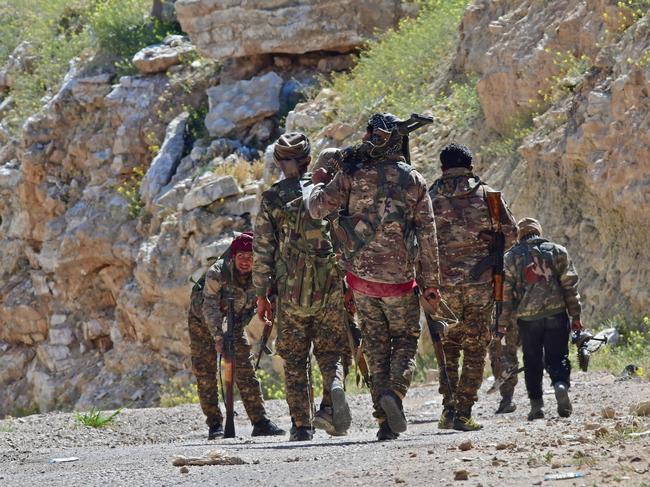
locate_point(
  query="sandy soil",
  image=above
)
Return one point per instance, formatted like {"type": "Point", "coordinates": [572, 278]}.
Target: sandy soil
{"type": "Point", "coordinates": [138, 448]}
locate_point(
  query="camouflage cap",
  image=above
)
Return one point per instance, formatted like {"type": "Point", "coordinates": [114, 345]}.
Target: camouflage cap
{"type": "Point", "coordinates": [528, 226]}
{"type": "Point", "coordinates": [292, 145]}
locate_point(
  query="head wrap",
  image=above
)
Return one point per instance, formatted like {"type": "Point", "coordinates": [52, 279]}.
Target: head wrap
{"type": "Point", "coordinates": [385, 140]}
{"type": "Point", "coordinates": [528, 226]}
{"type": "Point", "coordinates": [242, 243]}
{"type": "Point", "coordinates": [291, 152]}
{"type": "Point", "coordinates": [455, 155]}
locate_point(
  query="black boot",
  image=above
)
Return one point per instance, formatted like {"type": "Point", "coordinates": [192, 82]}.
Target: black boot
{"type": "Point", "coordinates": [385, 433]}
{"type": "Point", "coordinates": [341, 417]}
{"type": "Point", "coordinates": [301, 433]}
{"type": "Point", "coordinates": [564, 408]}
{"type": "Point", "coordinates": [215, 431]}
{"type": "Point", "coordinates": [392, 406]}
{"type": "Point", "coordinates": [266, 427]}
{"type": "Point", "coordinates": [507, 405]}
{"type": "Point", "coordinates": [536, 409]}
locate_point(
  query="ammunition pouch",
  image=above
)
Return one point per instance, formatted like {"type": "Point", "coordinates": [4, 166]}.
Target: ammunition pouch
{"type": "Point", "coordinates": [305, 279]}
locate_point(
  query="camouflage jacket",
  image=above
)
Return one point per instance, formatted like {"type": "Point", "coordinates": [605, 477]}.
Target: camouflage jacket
{"type": "Point", "coordinates": [293, 253]}
{"type": "Point", "coordinates": [459, 203]}
{"type": "Point", "coordinates": [221, 282]}
{"type": "Point", "coordinates": [387, 208]}
{"type": "Point", "coordinates": [540, 281]}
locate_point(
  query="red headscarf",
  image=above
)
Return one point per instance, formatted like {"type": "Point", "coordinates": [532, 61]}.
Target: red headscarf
{"type": "Point", "coordinates": [242, 243]}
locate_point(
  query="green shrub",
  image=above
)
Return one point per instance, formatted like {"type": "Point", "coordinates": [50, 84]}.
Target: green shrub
{"type": "Point", "coordinates": [395, 72]}
{"type": "Point", "coordinates": [175, 393]}
{"type": "Point", "coordinates": [96, 419]}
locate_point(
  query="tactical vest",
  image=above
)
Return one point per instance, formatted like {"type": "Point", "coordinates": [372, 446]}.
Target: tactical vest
{"type": "Point", "coordinates": [306, 269]}
{"type": "Point", "coordinates": [358, 230]}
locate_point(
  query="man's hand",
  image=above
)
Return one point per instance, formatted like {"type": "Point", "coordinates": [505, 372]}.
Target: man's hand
{"type": "Point", "coordinates": [321, 175]}
{"type": "Point", "coordinates": [432, 295]}
{"type": "Point", "coordinates": [218, 344]}
{"type": "Point", "coordinates": [348, 302]}
{"type": "Point", "coordinates": [576, 325]}
{"type": "Point", "coordinates": [264, 311]}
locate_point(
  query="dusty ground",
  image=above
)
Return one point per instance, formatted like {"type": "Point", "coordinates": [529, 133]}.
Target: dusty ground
{"type": "Point", "coordinates": [138, 448]}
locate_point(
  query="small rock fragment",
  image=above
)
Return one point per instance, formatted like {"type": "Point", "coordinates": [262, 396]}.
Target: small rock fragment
{"type": "Point", "coordinates": [601, 432]}
{"type": "Point", "coordinates": [461, 475]}
{"type": "Point", "coordinates": [608, 412]}
{"type": "Point", "coordinates": [641, 409]}
{"type": "Point", "coordinates": [184, 470]}
{"type": "Point", "coordinates": [465, 445]}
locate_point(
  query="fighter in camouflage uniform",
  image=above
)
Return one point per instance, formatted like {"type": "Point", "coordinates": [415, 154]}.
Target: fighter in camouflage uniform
{"type": "Point", "coordinates": [540, 288]}
{"type": "Point", "coordinates": [464, 233]}
{"type": "Point", "coordinates": [383, 206]}
{"type": "Point", "coordinates": [228, 277]}
{"type": "Point", "coordinates": [294, 257]}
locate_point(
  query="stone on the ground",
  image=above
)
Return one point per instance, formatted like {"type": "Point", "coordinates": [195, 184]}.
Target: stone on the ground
{"type": "Point", "coordinates": [641, 409]}
{"type": "Point", "coordinates": [461, 475]}
{"type": "Point", "coordinates": [466, 445]}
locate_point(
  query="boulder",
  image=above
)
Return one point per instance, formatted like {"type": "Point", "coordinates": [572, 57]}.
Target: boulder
{"type": "Point", "coordinates": [160, 57]}
{"type": "Point", "coordinates": [13, 363]}
{"type": "Point", "coordinates": [242, 104]}
{"type": "Point", "coordinates": [164, 165]}
{"type": "Point", "coordinates": [210, 189]}
{"type": "Point", "coordinates": [223, 29]}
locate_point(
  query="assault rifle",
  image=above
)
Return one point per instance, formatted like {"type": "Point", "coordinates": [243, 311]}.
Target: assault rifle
{"type": "Point", "coordinates": [229, 370]}
{"type": "Point", "coordinates": [355, 337]}
{"type": "Point", "coordinates": [264, 347]}
{"type": "Point", "coordinates": [497, 249]}
{"type": "Point", "coordinates": [437, 328]}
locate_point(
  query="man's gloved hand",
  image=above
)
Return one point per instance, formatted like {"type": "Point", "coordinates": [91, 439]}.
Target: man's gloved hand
{"type": "Point", "coordinates": [264, 311]}
{"type": "Point", "coordinates": [432, 295]}
{"type": "Point", "coordinates": [218, 344]}
{"type": "Point", "coordinates": [321, 175]}
{"type": "Point", "coordinates": [348, 302]}
{"type": "Point", "coordinates": [576, 325]}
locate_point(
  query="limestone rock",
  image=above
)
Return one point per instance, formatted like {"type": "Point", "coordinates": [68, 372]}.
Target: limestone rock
{"type": "Point", "coordinates": [283, 26]}
{"type": "Point", "coordinates": [13, 363]}
{"type": "Point", "coordinates": [210, 189]}
{"type": "Point", "coordinates": [20, 61]}
{"type": "Point", "coordinates": [164, 165]}
{"type": "Point", "coordinates": [242, 104]}
{"type": "Point", "coordinates": [160, 57]}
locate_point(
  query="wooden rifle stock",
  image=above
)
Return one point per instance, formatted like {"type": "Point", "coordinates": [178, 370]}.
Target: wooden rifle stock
{"type": "Point", "coordinates": [229, 371]}
{"type": "Point", "coordinates": [497, 248]}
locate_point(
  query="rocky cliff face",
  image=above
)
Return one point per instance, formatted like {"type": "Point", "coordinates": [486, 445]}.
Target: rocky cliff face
{"type": "Point", "coordinates": [110, 199]}
{"type": "Point", "coordinates": [119, 190]}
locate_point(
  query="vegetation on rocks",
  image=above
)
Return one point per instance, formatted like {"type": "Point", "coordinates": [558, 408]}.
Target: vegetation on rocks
{"type": "Point", "coordinates": [96, 419]}
{"type": "Point", "coordinates": [58, 32]}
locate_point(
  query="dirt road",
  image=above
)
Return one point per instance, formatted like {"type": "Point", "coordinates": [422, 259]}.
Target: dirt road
{"type": "Point", "coordinates": [137, 449]}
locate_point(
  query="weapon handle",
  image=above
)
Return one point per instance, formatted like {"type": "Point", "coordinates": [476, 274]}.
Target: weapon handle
{"type": "Point", "coordinates": [229, 369]}
{"type": "Point", "coordinates": [494, 206]}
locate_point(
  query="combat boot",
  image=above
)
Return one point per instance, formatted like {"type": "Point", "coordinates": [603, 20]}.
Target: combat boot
{"type": "Point", "coordinates": [507, 405]}
{"type": "Point", "coordinates": [301, 433]}
{"type": "Point", "coordinates": [564, 408]}
{"type": "Point", "coordinates": [392, 406]}
{"type": "Point", "coordinates": [385, 433]}
{"type": "Point", "coordinates": [465, 422]}
{"type": "Point", "coordinates": [215, 431]}
{"type": "Point", "coordinates": [536, 409]}
{"type": "Point", "coordinates": [266, 427]}
{"type": "Point", "coordinates": [341, 417]}
{"type": "Point", "coordinates": [446, 421]}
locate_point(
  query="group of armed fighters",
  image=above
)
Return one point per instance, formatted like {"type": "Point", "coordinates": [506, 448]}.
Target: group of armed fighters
{"type": "Point", "coordinates": [356, 241]}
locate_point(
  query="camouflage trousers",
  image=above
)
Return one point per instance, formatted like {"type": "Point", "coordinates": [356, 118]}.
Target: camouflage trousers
{"type": "Point", "coordinates": [391, 329]}
{"type": "Point", "coordinates": [299, 328]}
{"type": "Point", "coordinates": [472, 305]}
{"type": "Point", "coordinates": [509, 360]}
{"type": "Point", "coordinates": [204, 367]}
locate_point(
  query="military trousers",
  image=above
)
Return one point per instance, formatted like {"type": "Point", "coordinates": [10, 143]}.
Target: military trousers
{"type": "Point", "coordinates": [298, 329]}
{"type": "Point", "coordinates": [472, 305]}
{"type": "Point", "coordinates": [509, 360]}
{"type": "Point", "coordinates": [391, 329]}
{"type": "Point", "coordinates": [545, 343]}
{"type": "Point", "coordinates": [204, 367]}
